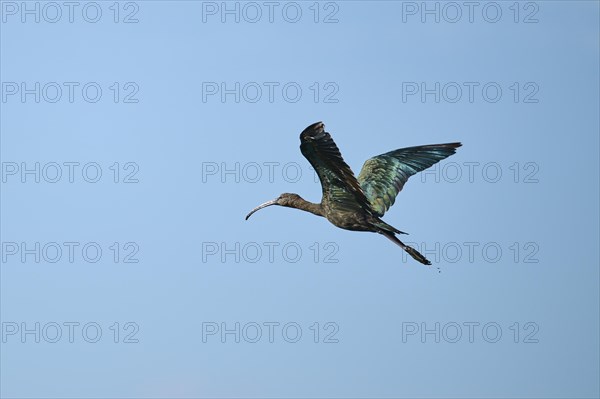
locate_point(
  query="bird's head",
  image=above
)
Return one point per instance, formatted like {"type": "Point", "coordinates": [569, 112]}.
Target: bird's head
{"type": "Point", "coordinates": [285, 199]}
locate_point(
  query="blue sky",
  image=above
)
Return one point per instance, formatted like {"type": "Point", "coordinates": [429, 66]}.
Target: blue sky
{"type": "Point", "coordinates": [135, 137]}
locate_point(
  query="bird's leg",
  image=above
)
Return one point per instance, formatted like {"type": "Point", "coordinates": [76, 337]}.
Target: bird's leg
{"type": "Point", "coordinates": [409, 250]}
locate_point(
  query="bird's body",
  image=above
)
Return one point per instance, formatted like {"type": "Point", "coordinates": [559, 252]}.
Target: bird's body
{"type": "Point", "coordinates": [348, 220]}
{"type": "Point", "coordinates": [357, 203]}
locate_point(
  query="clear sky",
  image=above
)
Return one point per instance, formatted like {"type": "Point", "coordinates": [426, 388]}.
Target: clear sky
{"type": "Point", "coordinates": [135, 137]}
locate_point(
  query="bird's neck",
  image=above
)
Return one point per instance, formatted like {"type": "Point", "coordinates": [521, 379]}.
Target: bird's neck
{"type": "Point", "coordinates": [315, 209]}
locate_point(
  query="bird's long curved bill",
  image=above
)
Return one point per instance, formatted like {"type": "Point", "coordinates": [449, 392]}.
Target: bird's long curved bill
{"type": "Point", "coordinates": [261, 206]}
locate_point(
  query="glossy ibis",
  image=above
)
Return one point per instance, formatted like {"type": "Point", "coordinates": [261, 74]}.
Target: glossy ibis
{"type": "Point", "coordinates": [358, 203]}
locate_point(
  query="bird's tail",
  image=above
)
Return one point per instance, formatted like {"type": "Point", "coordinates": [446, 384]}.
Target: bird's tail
{"type": "Point", "coordinates": [384, 227]}
{"type": "Point", "coordinates": [410, 250]}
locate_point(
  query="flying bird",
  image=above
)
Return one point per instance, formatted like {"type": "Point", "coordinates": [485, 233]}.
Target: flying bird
{"type": "Point", "coordinates": [358, 203]}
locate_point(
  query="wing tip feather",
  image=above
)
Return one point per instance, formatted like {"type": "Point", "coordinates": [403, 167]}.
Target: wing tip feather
{"type": "Point", "coordinates": [313, 130]}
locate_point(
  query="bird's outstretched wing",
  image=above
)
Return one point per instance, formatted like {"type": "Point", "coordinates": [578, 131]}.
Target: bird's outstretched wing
{"type": "Point", "coordinates": [383, 176]}
{"type": "Point", "coordinates": [340, 187]}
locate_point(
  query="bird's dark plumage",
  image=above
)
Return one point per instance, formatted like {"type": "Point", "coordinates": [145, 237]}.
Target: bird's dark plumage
{"type": "Point", "coordinates": [358, 203]}
{"type": "Point", "coordinates": [383, 176]}
{"type": "Point", "coordinates": [337, 179]}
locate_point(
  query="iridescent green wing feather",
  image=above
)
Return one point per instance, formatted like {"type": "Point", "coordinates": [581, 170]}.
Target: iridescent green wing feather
{"type": "Point", "coordinates": [340, 187]}
{"type": "Point", "coordinates": [382, 177]}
